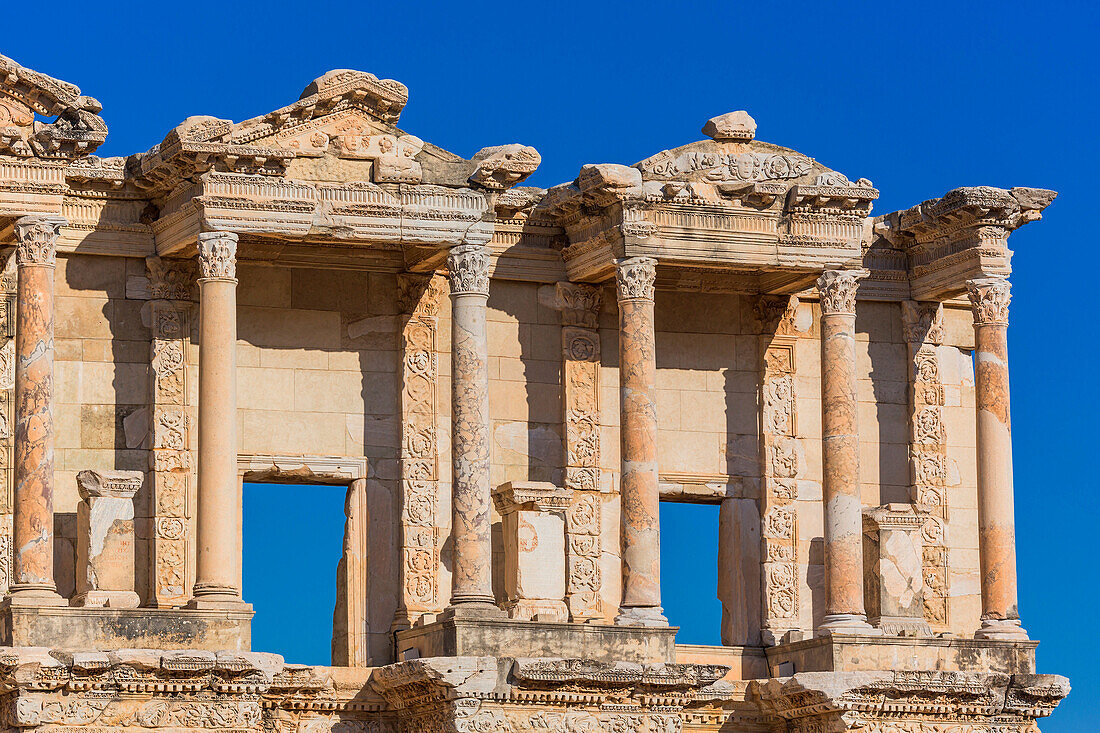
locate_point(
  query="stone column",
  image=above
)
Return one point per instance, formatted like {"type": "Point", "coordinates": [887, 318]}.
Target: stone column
{"type": "Point", "coordinates": [217, 580]}
{"type": "Point", "coordinates": [844, 610]}
{"type": "Point", "coordinates": [996, 522]}
{"type": "Point", "coordinates": [471, 523]}
{"type": "Point", "coordinates": [639, 515]}
{"type": "Point", "coordinates": [32, 531]}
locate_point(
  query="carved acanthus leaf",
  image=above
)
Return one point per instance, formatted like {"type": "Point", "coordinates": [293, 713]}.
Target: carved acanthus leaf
{"type": "Point", "coordinates": [36, 239]}
{"type": "Point", "coordinates": [838, 290]}
{"type": "Point", "coordinates": [469, 269]}
{"type": "Point", "coordinates": [989, 297]}
{"type": "Point", "coordinates": [218, 255]}
{"type": "Point", "coordinates": [635, 278]}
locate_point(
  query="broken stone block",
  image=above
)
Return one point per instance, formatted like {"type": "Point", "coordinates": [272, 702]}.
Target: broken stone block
{"type": "Point", "coordinates": [533, 519]}
{"type": "Point", "coordinates": [105, 539]}
{"type": "Point", "coordinates": [894, 578]}
{"type": "Point", "coordinates": [737, 125]}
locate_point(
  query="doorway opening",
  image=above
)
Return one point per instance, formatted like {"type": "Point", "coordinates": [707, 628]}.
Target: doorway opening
{"type": "Point", "coordinates": [689, 571]}
{"type": "Point", "coordinates": [293, 542]}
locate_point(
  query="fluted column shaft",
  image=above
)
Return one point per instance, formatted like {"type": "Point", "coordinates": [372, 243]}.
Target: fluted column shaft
{"type": "Point", "coordinates": [217, 580]}
{"type": "Point", "coordinates": [844, 608]}
{"type": "Point", "coordinates": [471, 522]}
{"type": "Point", "coordinates": [639, 514]}
{"type": "Point", "coordinates": [32, 528]}
{"type": "Point", "coordinates": [996, 520]}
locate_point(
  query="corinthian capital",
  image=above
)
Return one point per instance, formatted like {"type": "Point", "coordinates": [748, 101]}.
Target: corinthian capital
{"type": "Point", "coordinates": [217, 255]}
{"type": "Point", "coordinates": [989, 297]}
{"type": "Point", "coordinates": [469, 268]}
{"type": "Point", "coordinates": [838, 291]}
{"type": "Point", "coordinates": [634, 278]}
{"type": "Point", "coordinates": [37, 239]}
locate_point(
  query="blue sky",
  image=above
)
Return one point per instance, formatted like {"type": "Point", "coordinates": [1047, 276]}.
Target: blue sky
{"type": "Point", "coordinates": [919, 98]}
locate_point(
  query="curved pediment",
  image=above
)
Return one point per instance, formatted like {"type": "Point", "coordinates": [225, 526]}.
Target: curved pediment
{"type": "Point", "coordinates": [732, 161]}
{"type": "Point", "coordinates": [77, 129]}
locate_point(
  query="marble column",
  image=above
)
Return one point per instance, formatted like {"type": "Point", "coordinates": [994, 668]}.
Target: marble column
{"type": "Point", "coordinates": [218, 561]}
{"type": "Point", "coordinates": [639, 514]}
{"type": "Point", "coordinates": [996, 522]}
{"type": "Point", "coordinates": [844, 609]}
{"type": "Point", "coordinates": [32, 529]}
{"type": "Point", "coordinates": [471, 522]}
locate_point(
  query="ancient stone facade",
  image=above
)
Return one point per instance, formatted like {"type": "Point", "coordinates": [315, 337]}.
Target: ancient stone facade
{"type": "Point", "coordinates": [508, 381]}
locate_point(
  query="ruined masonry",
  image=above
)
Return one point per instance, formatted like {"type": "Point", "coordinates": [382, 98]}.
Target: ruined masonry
{"type": "Point", "coordinates": [506, 381]}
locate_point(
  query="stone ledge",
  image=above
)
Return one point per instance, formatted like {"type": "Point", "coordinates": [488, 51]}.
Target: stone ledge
{"type": "Point", "coordinates": [75, 628]}
{"type": "Point", "coordinates": [854, 652]}
{"type": "Point", "coordinates": [511, 638]}
{"type": "Point", "coordinates": [745, 662]}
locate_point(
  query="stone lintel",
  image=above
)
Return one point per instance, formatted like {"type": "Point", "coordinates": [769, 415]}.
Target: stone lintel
{"type": "Point", "coordinates": [541, 496]}
{"type": "Point", "coordinates": [117, 484]}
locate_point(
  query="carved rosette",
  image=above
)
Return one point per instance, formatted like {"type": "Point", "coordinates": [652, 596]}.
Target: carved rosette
{"type": "Point", "coordinates": [580, 305]}
{"type": "Point", "coordinates": [989, 298]}
{"type": "Point", "coordinates": [635, 278]}
{"type": "Point", "coordinates": [170, 283]}
{"type": "Point", "coordinates": [781, 466]}
{"type": "Point", "coordinates": [218, 255]}
{"type": "Point", "coordinates": [36, 240]}
{"type": "Point", "coordinates": [838, 291]}
{"type": "Point", "coordinates": [468, 265]}
{"type": "Point", "coordinates": [923, 326]}
{"type": "Point", "coordinates": [419, 297]}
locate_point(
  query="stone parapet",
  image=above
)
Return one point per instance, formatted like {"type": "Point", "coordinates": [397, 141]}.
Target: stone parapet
{"type": "Point", "coordinates": [491, 637]}
{"type": "Point", "coordinates": [852, 653]}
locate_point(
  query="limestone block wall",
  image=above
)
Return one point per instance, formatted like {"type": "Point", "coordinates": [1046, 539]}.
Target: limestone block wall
{"type": "Point", "coordinates": [320, 360]}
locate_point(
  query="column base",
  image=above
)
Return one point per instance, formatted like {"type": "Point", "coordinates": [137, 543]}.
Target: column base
{"type": "Point", "coordinates": [847, 623]}
{"type": "Point", "coordinates": [107, 599]}
{"type": "Point", "coordinates": [641, 616]}
{"type": "Point", "coordinates": [1001, 630]}
{"type": "Point", "coordinates": [472, 610]}
{"type": "Point", "coordinates": [27, 595]}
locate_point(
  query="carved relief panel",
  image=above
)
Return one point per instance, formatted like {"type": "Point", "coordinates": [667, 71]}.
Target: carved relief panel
{"type": "Point", "coordinates": [780, 467]}
{"type": "Point", "coordinates": [923, 323]}
{"type": "Point", "coordinates": [420, 536]}
{"type": "Point", "coordinates": [7, 417]}
{"type": "Point", "coordinates": [170, 285]}
{"type": "Point", "coordinates": [580, 306]}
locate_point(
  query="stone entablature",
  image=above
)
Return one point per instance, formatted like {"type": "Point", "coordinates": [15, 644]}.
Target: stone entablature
{"type": "Point", "coordinates": [722, 323]}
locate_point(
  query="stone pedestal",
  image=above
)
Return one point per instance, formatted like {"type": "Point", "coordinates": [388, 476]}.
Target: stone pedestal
{"type": "Point", "coordinates": [105, 539]}
{"type": "Point", "coordinates": [639, 517]}
{"type": "Point", "coordinates": [533, 515]}
{"type": "Point", "coordinates": [217, 575]}
{"type": "Point", "coordinates": [844, 611]}
{"type": "Point", "coordinates": [33, 520]}
{"type": "Point", "coordinates": [893, 552]}
{"type": "Point", "coordinates": [996, 518]}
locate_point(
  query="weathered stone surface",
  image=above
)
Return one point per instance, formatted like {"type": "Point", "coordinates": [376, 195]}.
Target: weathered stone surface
{"type": "Point", "coordinates": [737, 125]}
{"type": "Point", "coordinates": [753, 292]}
